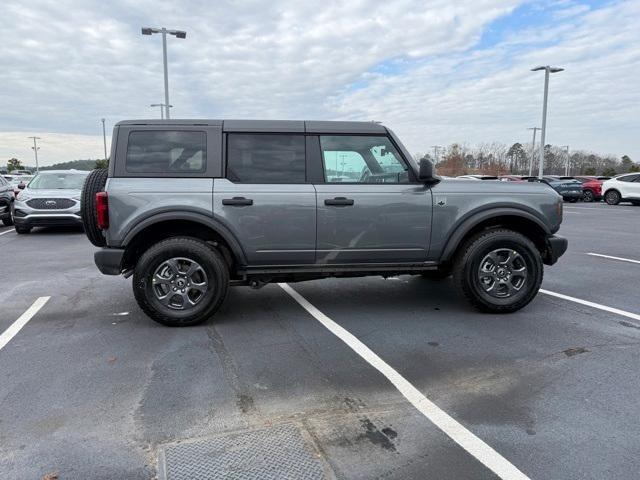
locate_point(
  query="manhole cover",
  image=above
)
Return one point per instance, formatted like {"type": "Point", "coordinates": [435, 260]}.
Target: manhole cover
{"type": "Point", "coordinates": [280, 452]}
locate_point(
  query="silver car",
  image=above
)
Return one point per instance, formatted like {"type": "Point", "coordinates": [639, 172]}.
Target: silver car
{"type": "Point", "coordinates": [52, 198]}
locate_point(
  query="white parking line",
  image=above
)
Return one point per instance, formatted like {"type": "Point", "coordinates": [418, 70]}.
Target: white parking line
{"type": "Point", "coordinates": [7, 231]}
{"type": "Point", "coordinates": [613, 258]}
{"type": "Point", "coordinates": [457, 432]}
{"type": "Point", "coordinates": [608, 208]}
{"type": "Point", "coordinates": [587, 303]}
{"type": "Point", "coordinates": [16, 326]}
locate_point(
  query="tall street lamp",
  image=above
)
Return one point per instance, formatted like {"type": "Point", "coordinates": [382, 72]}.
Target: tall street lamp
{"type": "Point", "coordinates": [436, 149]}
{"type": "Point", "coordinates": [164, 31]}
{"type": "Point", "coordinates": [161, 105]}
{"type": "Point", "coordinates": [35, 150]}
{"type": "Point", "coordinates": [533, 149]}
{"type": "Point", "coordinates": [104, 138]}
{"type": "Point", "coordinates": [566, 165]}
{"type": "Point", "coordinates": [547, 70]}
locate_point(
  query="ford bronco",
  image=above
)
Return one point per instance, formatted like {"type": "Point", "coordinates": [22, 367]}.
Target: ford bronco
{"type": "Point", "coordinates": [191, 207]}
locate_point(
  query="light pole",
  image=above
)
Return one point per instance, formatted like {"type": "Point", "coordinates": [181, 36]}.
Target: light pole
{"type": "Point", "coordinates": [566, 165]}
{"type": "Point", "coordinates": [533, 149]}
{"type": "Point", "coordinates": [547, 70]}
{"type": "Point", "coordinates": [161, 105]}
{"type": "Point", "coordinates": [164, 31]}
{"type": "Point", "coordinates": [35, 150]}
{"type": "Point", "coordinates": [436, 149]}
{"type": "Point", "coordinates": [104, 138]}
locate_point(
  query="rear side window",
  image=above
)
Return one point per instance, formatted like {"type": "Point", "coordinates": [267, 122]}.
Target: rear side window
{"type": "Point", "coordinates": [629, 178]}
{"type": "Point", "coordinates": [260, 158]}
{"type": "Point", "coordinates": [166, 151]}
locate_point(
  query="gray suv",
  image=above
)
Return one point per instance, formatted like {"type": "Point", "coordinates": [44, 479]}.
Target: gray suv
{"type": "Point", "coordinates": [50, 199]}
{"type": "Point", "coordinates": [190, 207]}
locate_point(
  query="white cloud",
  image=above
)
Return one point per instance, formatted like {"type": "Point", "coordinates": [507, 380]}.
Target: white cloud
{"type": "Point", "coordinates": [492, 95]}
{"type": "Point", "coordinates": [408, 63]}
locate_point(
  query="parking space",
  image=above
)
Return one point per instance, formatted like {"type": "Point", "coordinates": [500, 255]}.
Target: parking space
{"type": "Point", "coordinates": [92, 388]}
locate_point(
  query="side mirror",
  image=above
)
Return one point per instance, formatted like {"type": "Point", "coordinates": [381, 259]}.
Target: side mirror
{"type": "Point", "coordinates": [21, 186]}
{"type": "Point", "coordinates": [425, 173]}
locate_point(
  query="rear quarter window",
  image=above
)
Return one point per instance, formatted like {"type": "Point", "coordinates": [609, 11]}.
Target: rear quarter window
{"type": "Point", "coordinates": [166, 151]}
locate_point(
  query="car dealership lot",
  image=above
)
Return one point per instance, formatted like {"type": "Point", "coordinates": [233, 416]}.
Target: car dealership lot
{"type": "Point", "coordinates": [92, 388]}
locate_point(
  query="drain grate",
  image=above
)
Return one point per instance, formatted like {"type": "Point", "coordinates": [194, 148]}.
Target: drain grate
{"type": "Point", "coordinates": [279, 453]}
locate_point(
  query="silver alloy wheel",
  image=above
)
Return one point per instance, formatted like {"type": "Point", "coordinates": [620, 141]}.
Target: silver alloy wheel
{"type": "Point", "coordinates": [612, 197]}
{"type": "Point", "coordinates": [502, 273]}
{"type": "Point", "coordinates": [179, 283]}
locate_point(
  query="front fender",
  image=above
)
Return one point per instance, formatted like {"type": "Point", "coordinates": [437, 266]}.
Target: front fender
{"type": "Point", "coordinates": [465, 224]}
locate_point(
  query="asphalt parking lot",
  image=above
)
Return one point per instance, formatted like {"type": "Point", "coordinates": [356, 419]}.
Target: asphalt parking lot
{"type": "Point", "coordinates": [92, 388]}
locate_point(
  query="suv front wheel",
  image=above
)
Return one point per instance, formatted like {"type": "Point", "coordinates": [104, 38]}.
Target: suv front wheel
{"type": "Point", "coordinates": [499, 271]}
{"type": "Point", "coordinates": [180, 281]}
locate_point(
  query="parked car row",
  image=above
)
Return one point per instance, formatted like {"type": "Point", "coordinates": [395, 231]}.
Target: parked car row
{"type": "Point", "coordinates": [621, 188]}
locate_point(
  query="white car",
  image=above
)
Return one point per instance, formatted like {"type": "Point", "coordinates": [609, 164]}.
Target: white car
{"type": "Point", "coordinates": [622, 188]}
{"type": "Point", "coordinates": [477, 177]}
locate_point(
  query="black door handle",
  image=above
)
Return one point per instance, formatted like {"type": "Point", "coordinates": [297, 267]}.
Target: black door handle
{"type": "Point", "coordinates": [237, 201]}
{"type": "Point", "coordinates": [339, 201]}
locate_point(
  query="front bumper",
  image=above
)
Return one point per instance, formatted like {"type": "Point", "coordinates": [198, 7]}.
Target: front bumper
{"type": "Point", "coordinates": [48, 220]}
{"type": "Point", "coordinates": [25, 216]}
{"type": "Point", "coordinates": [109, 260]}
{"type": "Point", "coordinates": [556, 246]}
{"type": "Point", "coordinates": [571, 195]}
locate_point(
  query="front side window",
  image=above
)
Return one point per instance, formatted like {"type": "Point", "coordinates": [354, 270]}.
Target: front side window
{"type": "Point", "coordinates": [361, 159]}
{"type": "Point", "coordinates": [166, 151]}
{"type": "Point", "coordinates": [266, 158]}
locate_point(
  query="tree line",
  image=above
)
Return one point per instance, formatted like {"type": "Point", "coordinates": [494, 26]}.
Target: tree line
{"type": "Point", "coordinates": [499, 159]}
{"type": "Point", "coordinates": [15, 164]}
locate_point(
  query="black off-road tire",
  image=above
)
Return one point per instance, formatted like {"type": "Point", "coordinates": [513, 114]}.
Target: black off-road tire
{"type": "Point", "coordinates": [21, 230]}
{"type": "Point", "coordinates": [93, 184]}
{"type": "Point", "coordinates": [209, 258]}
{"type": "Point", "coordinates": [612, 197]}
{"type": "Point", "coordinates": [467, 265]}
{"type": "Point", "coordinates": [8, 222]}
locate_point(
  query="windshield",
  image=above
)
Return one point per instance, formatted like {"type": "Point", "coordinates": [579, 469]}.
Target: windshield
{"type": "Point", "coordinates": [73, 181]}
{"type": "Point", "coordinates": [20, 179]}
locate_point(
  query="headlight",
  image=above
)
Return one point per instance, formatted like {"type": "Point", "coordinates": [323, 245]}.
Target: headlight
{"type": "Point", "coordinates": [23, 196]}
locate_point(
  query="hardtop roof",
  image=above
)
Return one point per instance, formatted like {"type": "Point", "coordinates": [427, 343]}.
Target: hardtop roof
{"type": "Point", "coordinates": [291, 126]}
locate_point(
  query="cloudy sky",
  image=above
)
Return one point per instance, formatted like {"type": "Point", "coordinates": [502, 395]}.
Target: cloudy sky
{"type": "Point", "coordinates": [436, 71]}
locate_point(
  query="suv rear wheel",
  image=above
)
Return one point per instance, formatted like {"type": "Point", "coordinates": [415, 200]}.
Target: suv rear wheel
{"type": "Point", "coordinates": [499, 271]}
{"type": "Point", "coordinates": [612, 197]}
{"type": "Point", "coordinates": [588, 196]}
{"type": "Point", "coordinates": [180, 281]}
